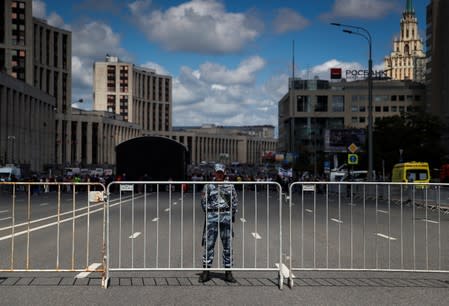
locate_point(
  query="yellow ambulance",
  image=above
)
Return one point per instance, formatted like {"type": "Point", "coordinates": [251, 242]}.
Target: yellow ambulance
{"type": "Point", "coordinates": [411, 172]}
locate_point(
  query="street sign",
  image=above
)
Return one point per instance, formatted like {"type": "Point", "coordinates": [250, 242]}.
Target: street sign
{"type": "Point", "coordinates": [353, 148]}
{"type": "Point", "coordinates": [353, 159]}
{"type": "Point", "coordinates": [308, 187]}
{"type": "Point", "coordinates": [126, 187]}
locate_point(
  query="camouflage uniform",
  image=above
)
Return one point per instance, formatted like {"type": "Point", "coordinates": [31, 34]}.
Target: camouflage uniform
{"type": "Point", "coordinates": [219, 202]}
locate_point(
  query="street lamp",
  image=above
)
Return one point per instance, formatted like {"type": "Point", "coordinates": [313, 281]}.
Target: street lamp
{"type": "Point", "coordinates": [365, 34]}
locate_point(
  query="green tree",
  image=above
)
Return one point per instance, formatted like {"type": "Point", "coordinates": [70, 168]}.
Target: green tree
{"type": "Point", "coordinates": [417, 134]}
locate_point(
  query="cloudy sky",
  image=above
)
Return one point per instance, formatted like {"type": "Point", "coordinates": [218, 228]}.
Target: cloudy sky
{"type": "Point", "coordinates": [230, 60]}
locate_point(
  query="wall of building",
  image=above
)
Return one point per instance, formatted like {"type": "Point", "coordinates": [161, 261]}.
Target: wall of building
{"type": "Point", "coordinates": [27, 124]}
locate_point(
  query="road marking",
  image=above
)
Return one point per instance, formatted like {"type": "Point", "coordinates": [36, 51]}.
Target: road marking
{"type": "Point", "coordinates": [90, 269]}
{"type": "Point", "coordinates": [256, 235]}
{"type": "Point", "coordinates": [155, 219]}
{"type": "Point", "coordinates": [382, 211]}
{"type": "Point", "coordinates": [243, 219]}
{"type": "Point", "coordinates": [385, 236]}
{"type": "Point", "coordinates": [167, 209]}
{"type": "Point", "coordinates": [430, 221]}
{"type": "Point", "coordinates": [284, 271]}
{"type": "Point", "coordinates": [16, 234]}
{"type": "Point", "coordinates": [43, 204]}
{"type": "Point", "coordinates": [3, 219]}
{"type": "Point", "coordinates": [3, 211]}
{"type": "Point", "coordinates": [336, 220]}
{"type": "Point", "coordinates": [309, 210]}
{"type": "Point", "coordinates": [135, 235]}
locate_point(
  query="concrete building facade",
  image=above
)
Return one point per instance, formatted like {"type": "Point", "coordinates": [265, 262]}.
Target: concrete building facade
{"type": "Point", "coordinates": [137, 94]}
{"type": "Point", "coordinates": [27, 124]}
{"type": "Point", "coordinates": [211, 143]}
{"type": "Point", "coordinates": [314, 106]}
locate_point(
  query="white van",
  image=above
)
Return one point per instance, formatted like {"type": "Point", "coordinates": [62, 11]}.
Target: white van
{"type": "Point", "coordinates": [7, 172]}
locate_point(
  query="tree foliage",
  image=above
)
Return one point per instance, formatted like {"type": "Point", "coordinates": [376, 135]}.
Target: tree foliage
{"type": "Point", "coordinates": [416, 133]}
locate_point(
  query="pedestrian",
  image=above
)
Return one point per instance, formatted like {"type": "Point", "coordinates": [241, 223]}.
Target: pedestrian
{"type": "Point", "coordinates": [219, 203]}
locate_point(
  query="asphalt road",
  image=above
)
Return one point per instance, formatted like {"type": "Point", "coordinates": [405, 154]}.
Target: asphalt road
{"type": "Point", "coordinates": [157, 231]}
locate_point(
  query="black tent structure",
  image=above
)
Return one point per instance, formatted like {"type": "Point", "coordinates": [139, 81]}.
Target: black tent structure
{"type": "Point", "coordinates": [160, 158]}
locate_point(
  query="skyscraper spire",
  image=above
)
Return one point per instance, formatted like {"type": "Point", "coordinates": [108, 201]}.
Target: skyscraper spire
{"type": "Point", "coordinates": [409, 8]}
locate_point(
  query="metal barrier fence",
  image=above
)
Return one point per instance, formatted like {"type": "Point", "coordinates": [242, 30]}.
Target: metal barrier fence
{"type": "Point", "coordinates": [368, 226]}
{"type": "Point", "coordinates": [52, 227]}
{"type": "Point", "coordinates": [160, 227]}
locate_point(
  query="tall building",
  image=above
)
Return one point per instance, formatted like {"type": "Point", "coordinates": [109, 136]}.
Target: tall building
{"type": "Point", "coordinates": [139, 95]}
{"type": "Point", "coordinates": [407, 60]}
{"type": "Point", "coordinates": [437, 73]}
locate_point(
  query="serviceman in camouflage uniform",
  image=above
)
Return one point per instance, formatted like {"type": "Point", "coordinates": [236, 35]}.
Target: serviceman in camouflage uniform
{"type": "Point", "coordinates": [219, 202]}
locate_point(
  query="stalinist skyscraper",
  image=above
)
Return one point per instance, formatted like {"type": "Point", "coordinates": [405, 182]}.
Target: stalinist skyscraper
{"type": "Point", "coordinates": [407, 60]}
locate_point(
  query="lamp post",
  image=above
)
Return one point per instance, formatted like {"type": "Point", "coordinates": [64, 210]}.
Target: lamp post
{"type": "Point", "coordinates": [365, 34]}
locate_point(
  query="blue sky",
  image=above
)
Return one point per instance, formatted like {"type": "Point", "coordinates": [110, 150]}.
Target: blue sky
{"type": "Point", "coordinates": [230, 60]}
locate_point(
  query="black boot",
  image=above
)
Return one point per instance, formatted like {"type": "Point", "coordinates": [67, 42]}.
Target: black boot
{"type": "Point", "coordinates": [229, 278]}
{"type": "Point", "coordinates": [204, 277]}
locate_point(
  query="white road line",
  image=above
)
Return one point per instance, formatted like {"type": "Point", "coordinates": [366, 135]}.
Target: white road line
{"type": "Point", "coordinates": [284, 270]}
{"type": "Point", "coordinates": [309, 210]}
{"type": "Point", "coordinates": [385, 236]}
{"type": "Point", "coordinates": [256, 235]}
{"type": "Point", "coordinates": [167, 209]}
{"type": "Point", "coordinates": [430, 221]}
{"type": "Point", "coordinates": [382, 211]}
{"type": "Point", "coordinates": [55, 223]}
{"type": "Point", "coordinates": [3, 219]}
{"type": "Point", "coordinates": [243, 219]}
{"type": "Point", "coordinates": [90, 269]}
{"type": "Point", "coordinates": [336, 220]}
{"type": "Point", "coordinates": [155, 219]}
{"type": "Point", "coordinates": [135, 235]}
{"type": "Point", "coordinates": [43, 204]}
{"type": "Point", "coordinates": [3, 211]}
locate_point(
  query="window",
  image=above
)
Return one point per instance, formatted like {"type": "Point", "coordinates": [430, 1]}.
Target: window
{"type": "Point", "coordinates": [386, 109]}
{"type": "Point", "coordinates": [377, 109]}
{"type": "Point", "coordinates": [394, 98]}
{"type": "Point", "coordinates": [321, 104]}
{"type": "Point", "coordinates": [338, 103]}
{"type": "Point", "coordinates": [354, 108]}
{"type": "Point", "coordinates": [362, 108]}
{"type": "Point", "coordinates": [303, 103]}
{"type": "Point", "coordinates": [394, 108]}
{"type": "Point", "coordinates": [354, 119]}
{"type": "Point", "coordinates": [401, 98]}
{"type": "Point", "coordinates": [362, 119]}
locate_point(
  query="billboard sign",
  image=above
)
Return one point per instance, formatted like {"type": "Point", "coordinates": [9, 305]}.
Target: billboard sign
{"type": "Point", "coordinates": [335, 73]}
{"type": "Point", "coordinates": [338, 140]}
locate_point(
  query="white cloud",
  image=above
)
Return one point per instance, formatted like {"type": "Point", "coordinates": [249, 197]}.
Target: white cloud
{"type": "Point", "coordinates": [159, 69]}
{"type": "Point", "coordinates": [370, 9]}
{"type": "Point", "coordinates": [288, 20]}
{"type": "Point", "coordinates": [202, 26]}
{"type": "Point", "coordinates": [244, 74]}
{"type": "Point", "coordinates": [322, 71]}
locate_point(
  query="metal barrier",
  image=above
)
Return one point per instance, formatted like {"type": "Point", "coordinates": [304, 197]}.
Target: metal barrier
{"type": "Point", "coordinates": [52, 227]}
{"type": "Point", "coordinates": [368, 226]}
{"type": "Point", "coordinates": [160, 228]}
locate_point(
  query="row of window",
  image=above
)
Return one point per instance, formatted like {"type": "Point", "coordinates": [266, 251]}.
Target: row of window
{"type": "Point", "coordinates": [304, 103]}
